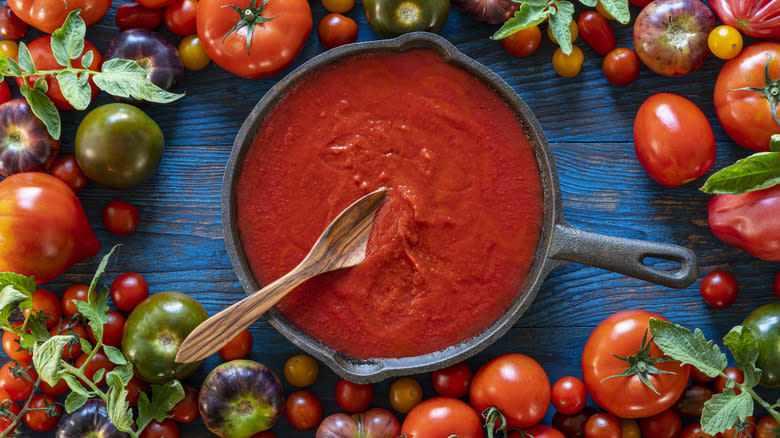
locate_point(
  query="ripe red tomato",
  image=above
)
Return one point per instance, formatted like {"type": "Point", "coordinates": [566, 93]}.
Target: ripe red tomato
{"type": "Point", "coordinates": [131, 15]}
{"type": "Point", "coordinates": [732, 373]}
{"type": "Point", "coordinates": [44, 301]}
{"type": "Point", "coordinates": [746, 429]}
{"type": "Point", "coordinates": [38, 420]}
{"type": "Point", "coordinates": [40, 49]}
{"type": "Point", "coordinates": [155, 4]}
{"type": "Point", "coordinates": [48, 15]}
{"type": "Point", "coordinates": [622, 335]}
{"type": "Point", "coordinates": [673, 139]}
{"type": "Point", "coordinates": [538, 431]}
{"type": "Point", "coordinates": [77, 292]}
{"type": "Point", "coordinates": [167, 429]}
{"type": "Point", "coordinates": [699, 376]}
{"type": "Point", "coordinates": [754, 18]}
{"type": "Point", "coordinates": [746, 115]}
{"type": "Point", "coordinates": [303, 410]}
{"type": "Point", "coordinates": [239, 347]}
{"type": "Point", "coordinates": [60, 388]}
{"type": "Point", "coordinates": [180, 17]}
{"type": "Point", "coordinates": [186, 411]}
{"type": "Point", "coordinates": [569, 395]}
{"type": "Point", "coordinates": [603, 425]}
{"type": "Point", "coordinates": [112, 330]}
{"type": "Point", "coordinates": [98, 361]}
{"type": "Point", "coordinates": [5, 92]}
{"type": "Point", "coordinates": [573, 426]}
{"type": "Point", "coordinates": [719, 289]}
{"type": "Point", "coordinates": [354, 397]}
{"type": "Point", "coordinates": [336, 30]}
{"type": "Point", "coordinates": [766, 427]}
{"type": "Point", "coordinates": [596, 32]}
{"type": "Point", "coordinates": [442, 417]}
{"type": "Point", "coordinates": [5, 399]}
{"type": "Point", "coordinates": [524, 42]}
{"type": "Point", "coordinates": [694, 431]}
{"type": "Point", "coordinates": [665, 424]}
{"type": "Point", "coordinates": [70, 327]}
{"type": "Point", "coordinates": [13, 348]}
{"type": "Point", "coordinates": [128, 290]}
{"type": "Point", "coordinates": [497, 382]}
{"type": "Point", "coordinates": [11, 27]}
{"type": "Point", "coordinates": [134, 388]}
{"type": "Point", "coordinates": [452, 381]}
{"type": "Point", "coordinates": [18, 388]}
{"type": "Point", "coordinates": [67, 169]}
{"type": "Point", "coordinates": [120, 217]}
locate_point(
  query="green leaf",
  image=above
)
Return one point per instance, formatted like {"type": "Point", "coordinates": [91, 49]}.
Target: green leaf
{"type": "Point", "coordinates": [559, 24]}
{"type": "Point", "coordinates": [41, 84]}
{"type": "Point", "coordinates": [86, 347]}
{"type": "Point", "coordinates": [21, 283]}
{"type": "Point", "coordinates": [755, 172]}
{"type": "Point", "coordinates": [44, 109]}
{"type": "Point", "coordinates": [36, 324]}
{"type": "Point", "coordinates": [125, 78]}
{"type": "Point", "coordinates": [46, 357]}
{"type": "Point", "coordinates": [13, 67]}
{"type": "Point", "coordinates": [25, 59]}
{"type": "Point", "coordinates": [590, 3]}
{"type": "Point", "coordinates": [75, 385]}
{"type": "Point", "coordinates": [3, 63]}
{"type": "Point", "coordinates": [722, 411]}
{"type": "Point", "coordinates": [774, 143]}
{"type": "Point", "coordinates": [27, 341]}
{"type": "Point", "coordinates": [99, 374]}
{"type": "Point", "coordinates": [164, 398]}
{"type": "Point", "coordinates": [93, 318]}
{"type": "Point", "coordinates": [124, 372]}
{"type": "Point", "coordinates": [86, 60]}
{"type": "Point", "coordinates": [100, 270]}
{"type": "Point", "coordinates": [114, 355]}
{"type": "Point", "coordinates": [688, 347]}
{"type": "Point", "coordinates": [74, 401]}
{"type": "Point", "coordinates": [9, 296]}
{"type": "Point", "coordinates": [744, 347]}
{"type": "Point", "coordinates": [67, 42]}
{"type": "Point", "coordinates": [74, 91]}
{"type": "Point", "coordinates": [525, 17]}
{"type": "Point", "coordinates": [117, 404]}
{"type": "Point", "coordinates": [618, 9]}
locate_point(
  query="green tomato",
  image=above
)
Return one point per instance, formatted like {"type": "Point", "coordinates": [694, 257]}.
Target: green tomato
{"type": "Point", "coordinates": [764, 323]}
{"type": "Point", "coordinates": [155, 330]}
{"type": "Point", "coordinates": [390, 18]}
{"type": "Point", "coordinates": [118, 146]}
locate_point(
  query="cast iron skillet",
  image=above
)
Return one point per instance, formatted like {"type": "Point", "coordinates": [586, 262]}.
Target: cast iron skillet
{"type": "Point", "coordinates": [560, 243]}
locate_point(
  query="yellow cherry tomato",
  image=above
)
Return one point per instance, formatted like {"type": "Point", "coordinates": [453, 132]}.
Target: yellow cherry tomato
{"type": "Point", "coordinates": [301, 370]}
{"type": "Point", "coordinates": [572, 30]}
{"type": "Point", "coordinates": [725, 42]}
{"type": "Point", "coordinates": [338, 6]}
{"type": "Point", "coordinates": [193, 55]}
{"type": "Point", "coordinates": [9, 48]}
{"type": "Point", "coordinates": [568, 65]}
{"type": "Point", "coordinates": [405, 394]}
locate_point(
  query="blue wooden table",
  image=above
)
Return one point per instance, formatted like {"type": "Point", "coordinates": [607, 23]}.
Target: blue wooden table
{"type": "Point", "coordinates": [179, 243]}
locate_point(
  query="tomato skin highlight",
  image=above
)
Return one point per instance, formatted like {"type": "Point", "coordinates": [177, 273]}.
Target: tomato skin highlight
{"type": "Point", "coordinates": [442, 417]}
{"type": "Point", "coordinates": [596, 32]}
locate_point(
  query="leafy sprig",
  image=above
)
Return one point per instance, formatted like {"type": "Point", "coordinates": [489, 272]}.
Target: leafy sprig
{"type": "Point", "coordinates": [119, 77]}
{"type": "Point", "coordinates": [755, 172]}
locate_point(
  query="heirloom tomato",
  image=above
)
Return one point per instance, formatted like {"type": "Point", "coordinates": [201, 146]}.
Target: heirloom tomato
{"type": "Point", "coordinates": [616, 343]}
{"type": "Point", "coordinates": [391, 18]}
{"type": "Point", "coordinates": [253, 38]}
{"type": "Point", "coordinates": [754, 18]}
{"type": "Point", "coordinates": [48, 15]}
{"type": "Point", "coordinates": [746, 95]}
{"type": "Point", "coordinates": [25, 143]}
{"type": "Point", "coordinates": [374, 423]}
{"type": "Point", "coordinates": [442, 417]}
{"type": "Point", "coordinates": [748, 221]}
{"type": "Point", "coordinates": [764, 323]}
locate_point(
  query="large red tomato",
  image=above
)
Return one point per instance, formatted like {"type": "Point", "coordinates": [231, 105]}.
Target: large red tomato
{"type": "Point", "coordinates": [48, 15]}
{"type": "Point", "coordinates": [623, 334]}
{"type": "Point", "coordinates": [499, 381]}
{"type": "Point", "coordinates": [746, 115]}
{"type": "Point", "coordinates": [754, 18]}
{"type": "Point", "coordinates": [279, 28]}
{"type": "Point", "coordinates": [442, 417]}
{"type": "Point", "coordinates": [673, 139]}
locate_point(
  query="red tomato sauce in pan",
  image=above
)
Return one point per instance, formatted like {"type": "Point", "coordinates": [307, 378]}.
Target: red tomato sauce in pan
{"type": "Point", "coordinates": [452, 245]}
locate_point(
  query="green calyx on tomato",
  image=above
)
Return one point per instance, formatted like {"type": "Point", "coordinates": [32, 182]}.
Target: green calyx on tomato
{"type": "Point", "coordinates": [250, 17]}
{"type": "Point", "coordinates": [770, 91]}
{"type": "Point", "coordinates": [642, 365]}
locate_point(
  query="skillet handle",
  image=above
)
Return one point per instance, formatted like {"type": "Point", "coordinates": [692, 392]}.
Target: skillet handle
{"type": "Point", "coordinates": [624, 256]}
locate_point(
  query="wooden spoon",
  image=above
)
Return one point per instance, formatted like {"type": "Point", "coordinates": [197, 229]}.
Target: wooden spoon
{"type": "Point", "coordinates": [341, 245]}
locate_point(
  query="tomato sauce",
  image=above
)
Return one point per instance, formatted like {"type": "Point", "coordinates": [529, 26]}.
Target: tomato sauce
{"type": "Point", "coordinates": [452, 245]}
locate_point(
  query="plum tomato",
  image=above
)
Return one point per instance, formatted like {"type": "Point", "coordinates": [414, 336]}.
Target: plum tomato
{"type": "Point", "coordinates": [180, 17]}
{"type": "Point", "coordinates": [691, 402]}
{"type": "Point", "coordinates": [301, 370]}
{"type": "Point", "coordinates": [128, 290]}
{"type": "Point", "coordinates": [725, 42]}
{"type": "Point", "coordinates": [524, 42]}
{"type": "Point", "coordinates": [569, 395]}
{"type": "Point", "coordinates": [76, 292]}
{"type": "Point", "coordinates": [48, 16]}
{"type": "Point", "coordinates": [719, 289]}
{"type": "Point", "coordinates": [11, 26]}
{"type": "Point", "coordinates": [72, 328]}
{"type": "Point", "coordinates": [573, 426]}
{"type": "Point", "coordinates": [354, 397]}
{"type": "Point", "coordinates": [733, 373]}
{"type": "Point", "coordinates": [621, 66]}
{"type": "Point", "coordinates": [13, 349]}
{"type": "Point", "coordinates": [112, 330]}
{"type": "Point", "coordinates": [239, 347]}
{"type": "Point", "coordinates": [18, 387]}
{"type": "Point", "coordinates": [569, 65]}
{"type": "Point", "coordinates": [45, 302]}
{"type": "Point", "coordinates": [67, 169]}
{"type": "Point", "coordinates": [25, 144]}
{"type": "Point", "coordinates": [764, 323]}
{"type": "Point", "coordinates": [338, 6]}
{"type": "Point", "coordinates": [193, 55]}
{"type": "Point", "coordinates": [336, 30]}
{"type": "Point", "coordinates": [38, 419]}
{"type": "Point", "coordinates": [452, 381]}
{"type": "Point", "coordinates": [303, 410]}
{"type": "Point", "coordinates": [98, 361]}
{"type": "Point", "coordinates": [9, 48]}
{"type": "Point", "coordinates": [442, 417]}
{"type": "Point", "coordinates": [665, 424]}
{"type": "Point", "coordinates": [603, 425]}
{"type": "Point", "coordinates": [538, 431]}
{"type": "Point", "coordinates": [165, 429]}
{"type": "Point", "coordinates": [596, 32]}
{"type": "Point", "coordinates": [673, 139]}
{"type": "Point", "coordinates": [405, 394]}
{"type": "Point", "coordinates": [186, 410]}
{"type": "Point", "coordinates": [391, 18]}
{"type": "Point", "coordinates": [120, 217]}
{"type": "Point", "coordinates": [131, 15]}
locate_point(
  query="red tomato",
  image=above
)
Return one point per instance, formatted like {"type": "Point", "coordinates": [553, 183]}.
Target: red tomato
{"type": "Point", "coordinates": [442, 417]}
{"type": "Point", "coordinates": [627, 397]}
{"type": "Point", "coordinates": [13, 348]}
{"type": "Point", "coordinates": [40, 49]}
{"type": "Point", "coordinates": [134, 16]}
{"type": "Point", "coordinates": [665, 424]}
{"type": "Point", "coordinates": [754, 18]}
{"type": "Point", "coordinates": [48, 15]}
{"type": "Point", "coordinates": [569, 395]}
{"type": "Point", "coordinates": [128, 290]}
{"type": "Point", "coordinates": [699, 376]}
{"type": "Point", "coordinates": [180, 17]}
{"type": "Point", "coordinates": [603, 425]}
{"type": "Point", "coordinates": [596, 32]}
{"type": "Point", "coordinates": [134, 388]}
{"type": "Point", "coordinates": [239, 347]}
{"type": "Point", "coordinates": [354, 397]}
{"type": "Point", "coordinates": [497, 383]}
{"type": "Point", "coordinates": [336, 30]}
{"type": "Point", "coordinates": [745, 115]}
{"type": "Point", "coordinates": [77, 292]}
{"type": "Point", "coordinates": [766, 427]}
{"type": "Point", "coordinates": [18, 388]}
{"type": "Point", "coordinates": [120, 217]}
{"type": "Point", "coordinates": [98, 361]}
{"type": "Point", "coordinates": [167, 429]}
{"type": "Point", "coordinates": [11, 27]}
{"type": "Point", "coordinates": [744, 429]}
{"type": "Point", "coordinates": [38, 419]}
{"type": "Point", "coordinates": [303, 410]}
{"type": "Point", "coordinates": [274, 44]}
{"type": "Point", "coordinates": [538, 431]}
{"type": "Point", "coordinates": [70, 327]}
{"type": "Point", "coordinates": [112, 330]}
{"type": "Point", "coordinates": [719, 289]}
{"type": "Point", "coordinates": [67, 169]}
{"type": "Point", "coordinates": [5, 92]}
{"type": "Point", "coordinates": [673, 139]}
{"type": "Point", "coordinates": [732, 373]}
{"type": "Point", "coordinates": [5, 399]}
{"type": "Point", "coordinates": [573, 426]}
{"type": "Point", "coordinates": [155, 4]}
{"type": "Point", "coordinates": [694, 431]}
{"type": "Point", "coordinates": [524, 42]}
{"type": "Point", "coordinates": [60, 388]}
{"type": "Point", "coordinates": [452, 381]}
{"type": "Point", "coordinates": [186, 411]}
{"type": "Point", "coordinates": [44, 301]}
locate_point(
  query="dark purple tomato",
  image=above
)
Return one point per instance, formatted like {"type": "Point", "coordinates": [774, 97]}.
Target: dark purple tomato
{"type": "Point", "coordinates": [25, 144]}
{"type": "Point", "coordinates": [67, 169]}
{"type": "Point", "coordinates": [134, 16]}
{"type": "Point", "coordinates": [573, 426]}
{"type": "Point", "coordinates": [11, 26]}
{"type": "Point", "coordinates": [90, 420]}
{"type": "Point", "coordinates": [691, 402]}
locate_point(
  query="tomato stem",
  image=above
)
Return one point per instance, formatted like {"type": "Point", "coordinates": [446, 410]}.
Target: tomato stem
{"type": "Point", "coordinates": [770, 91]}
{"type": "Point", "coordinates": [642, 365]}
{"type": "Point", "coordinates": [250, 17]}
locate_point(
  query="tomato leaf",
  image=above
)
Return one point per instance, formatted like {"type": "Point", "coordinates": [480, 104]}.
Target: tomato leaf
{"type": "Point", "coordinates": [618, 9]}
{"type": "Point", "coordinates": [688, 347]}
{"type": "Point", "coordinates": [755, 172]}
{"type": "Point", "coordinates": [744, 347]}
{"type": "Point", "coordinates": [44, 109]}
{"type": "Point", "coordinates": [125, 78]}
{"type": "Point", "coordinates": [15, 288]}
{"type": "Point", "coordinates": [114, 355]}
{"type": "Point", "coordinates": [530, 14]}
{"type": "Point", "coordinates": [13, 67]}
{"type": "Point", "coordinates": [590, 3]}
{"type": "Point", "coordinates": [117, 405]}
{"type": "Point", "coordinates": [67, 42]}
{"type": "Point", "coordinates": [25, 59]}
{"type": "Point", "coordinates": [164, 398]}
{"type": "Point", "coordinates": [774, 143]}
{"type": "Point", "coordinates": [76, 92]}
{"type": "Point", "coordinates": [75, 385]}
{"type": "Point", "coordinates": [86, 347]}
{"type": "Point", "coordinates": [722, 411]}
{"type": "Point", "coordinates": [87, 59]}
{"type": "Point", "coordinates": [46, 357]}
{"type": "Point", "coordinates": [559, 24]}
{"type": "Point", "coordinates": [74, 401]}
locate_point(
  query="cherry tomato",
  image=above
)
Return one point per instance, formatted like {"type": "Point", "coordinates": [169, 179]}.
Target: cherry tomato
{"type": "Point", "coordinates": [719, 289]}
{"type": "Point", "coordinates": [405, 394]}
{"type": "Point", "coordinates": [569, 395]}
{"type": "Point", "coordinates": [442, 417]}
{"type": "Point", "coordinates": [303, 410]}
{"type": "Point", "coordinates": [603, 425]}
{"type": "Point", "coordinates": [98, 361]}
{"type": "Point", "coordinates": [573, 426]}
{"type": "Point", "coordinates": [67, 169]}
{"type": "Point", "coordinates": [131, 15]}
{"type": "Point", "coordinates": [338, 6]}
{"type": "Point", "coordinates": [777, 285]}
{"type": "Point", "coordinates": [135, 387]}
{"type": "Point", "coordinates": [13, 348]}
{"type": "Point", "coordinates": [700, 377]}
{"type": "Point", "coordinates": [155, 4]}
{"type": "Point", "coordinates": [167, 429]}
{"type": "Point", "coordinates": [5, 92]}
{"type": "Point", "coordinates": [573, 31]}
{"type": "Point", "coordinates": [11, 26]}
{"type": "Point", "coordinates": [120, 217]}
{"type": "Point", "coordinates": [336, 30]}
{"type": "Point", "coordinates": [38, 419]}
{"type": "Point", "coordinates": [18, 388]}
{"type": "Point", "coordinates": [452, 381]}
{"type": "Point", "coordinates": [766, 427]}
{"type": "Point", "coordinates": [70, 327]}
{"type": "Point", "coordinates": [128, 290]}
{"type": "Point", "coordinates": [59, 388]}
{"type": "Point", "coordinates": [665, 424]}
{"type": "Point", "coordinates": [630, 428]}
{"type": "Point", "coordinates": [725, 42]}
{"type": "Point", "coordinates": [112, 330]}
{"type": "Point", "coordinates": [44, 301]}
{"type": "Point", "coordinates": [691, 402]}
{"type": "Point", "coordinates": [186, 411]}
{"type": "Point", "coordinates": [523, 42]}
{"type": "Point", "coordinates": [673, 139]}
{"type": "Point", "coordinates": [193, 55]}
{"type": "Point", "coordinates": [9, 48]}
{"type": "Point", "coordinates": [732, 373]}
{"type": "Point", "coordinates": [354, 397]}
{"type": "Point", "coordinates": [596, 32]}
{"type": "Point", "coordinates": [239, 347]}
{"type": "Point", "coordinates": [538, 431]}
{"type": "Point", "coordinates": [745, 429]}
{"type": "Point", "coordinates": [569, 65]}
{"type": "Point", "coordinates": [301, 370]}
{"type": "Point", "coordinates": [12, 407]}
{"type": "Point", "coordinates": [77, 292]}
{"type": "Point", "coordinates": [180, 17]}
{"type": "Point", "coordinates": [694, 431]}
